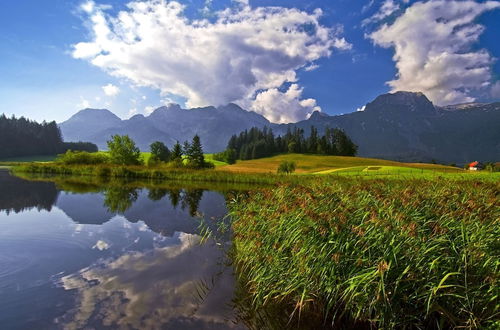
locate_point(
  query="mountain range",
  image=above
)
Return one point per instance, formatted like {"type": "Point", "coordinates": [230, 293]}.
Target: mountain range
{"type": "Point", "coordinates": [403, 126]}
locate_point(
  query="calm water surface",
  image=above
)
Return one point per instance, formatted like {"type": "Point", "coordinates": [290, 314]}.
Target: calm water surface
{"type": "Point", "coordinates": [114, 258]}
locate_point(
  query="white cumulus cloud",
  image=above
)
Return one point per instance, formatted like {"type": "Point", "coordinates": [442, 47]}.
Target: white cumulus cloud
{"type": "Point", "coordinates": [111, 90]}
{"type": "Point", "coordinates": [433, 49]}
{"type": "Point", "coordinates": [237, 56]}
{"type": "Point", "coordinates": [149, 109]}
{"type": "Point", "coordinates": [388, 8]}
{"type": "Point", "coordinates": [284, 107]}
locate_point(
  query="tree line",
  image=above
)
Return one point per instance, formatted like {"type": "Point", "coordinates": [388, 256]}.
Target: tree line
{"type": "Point", "coordinates": [256, 143]}
{"type": "Point", "coordinates": [24, 137]}
{"type": "Point", "coordinates": [122, 150]}
{"type": "Point", "coordinates": [189, 154]}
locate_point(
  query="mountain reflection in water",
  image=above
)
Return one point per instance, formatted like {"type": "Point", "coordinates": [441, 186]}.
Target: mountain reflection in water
{"type": "Point", "coordinates": [111, 257]}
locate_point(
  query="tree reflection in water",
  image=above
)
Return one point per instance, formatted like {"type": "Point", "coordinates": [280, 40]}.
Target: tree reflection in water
{"type": "Point", "coordinates": [120, 199]}
{"type": "Point", "coordinates": [17, 195]}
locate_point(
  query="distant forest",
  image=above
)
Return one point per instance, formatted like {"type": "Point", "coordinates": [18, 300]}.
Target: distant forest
{"type": "Point", "coordinates": [256, 143]}
{"type": "Point", "coordinates": [24, 137]}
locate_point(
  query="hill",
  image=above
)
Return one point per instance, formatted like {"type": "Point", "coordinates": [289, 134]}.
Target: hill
{"type": "Point", "coordinates": [312, 164]}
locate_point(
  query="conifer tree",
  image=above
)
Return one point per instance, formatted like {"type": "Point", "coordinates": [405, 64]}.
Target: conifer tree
{"type": "Point", "coordinates": [176, 154]}
{"type": "Point", "coordinates": [194, 153]}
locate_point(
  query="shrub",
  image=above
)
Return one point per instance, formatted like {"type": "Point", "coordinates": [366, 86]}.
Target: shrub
{"type": "Point", "coordinates": [175, 163]}
{"type": "Point", "coordinates": [159, 152]}
{"type": "Point", "coordinates": [152, 162]}
{"type": "Point", "coordinates": [80, 146]}
{"type": "Point", "coordinates": [82, 157]}
{"type": "Point", "coordinates": [286, 167]}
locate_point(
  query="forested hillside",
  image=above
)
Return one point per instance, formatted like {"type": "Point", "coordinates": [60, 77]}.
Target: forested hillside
{"type": "Point", "coordinates": [256, 143]}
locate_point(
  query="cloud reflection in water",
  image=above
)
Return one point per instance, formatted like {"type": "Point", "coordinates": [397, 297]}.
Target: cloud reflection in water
{"type": "Point", "coordinates": [158, 289]}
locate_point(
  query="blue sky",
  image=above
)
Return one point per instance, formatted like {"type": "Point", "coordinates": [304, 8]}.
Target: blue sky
{"type": "Point", "coordinates": [43, 76]}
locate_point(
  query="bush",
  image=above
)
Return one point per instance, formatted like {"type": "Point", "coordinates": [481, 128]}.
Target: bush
{"type": "Point", "coordinates": [491, 167]}
{"type": "Point", "coordinates": [286, 167]}
{"type": "Point", "coordinates": [209, 165]}
{"type": "Point", "coordinates": [82, 157]}
{"type": "Point", "coordinates": [175, 163]}
{"type": "Point", "coordinates": [80, 146]}
{"type": "Point", "coordinates": [159, 152]}
{"type": "Point", "coordinates": [152, 162]}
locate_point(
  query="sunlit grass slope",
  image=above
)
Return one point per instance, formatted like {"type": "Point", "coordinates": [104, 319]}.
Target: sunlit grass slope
{"type": "Point", "coordinates": [316, 163]}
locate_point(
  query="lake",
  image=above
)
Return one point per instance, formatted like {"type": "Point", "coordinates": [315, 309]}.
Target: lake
{"type": "Point", "coordinates": [98, 257]}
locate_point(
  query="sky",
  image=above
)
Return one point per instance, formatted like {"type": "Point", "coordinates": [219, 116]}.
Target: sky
{"type": "Point", "coordinates": [283, 59]}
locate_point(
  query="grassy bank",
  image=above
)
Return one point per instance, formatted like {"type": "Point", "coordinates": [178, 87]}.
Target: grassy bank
{"type": "Point", "coordinates": [159, 173]}
{"type": "Point", "coordinates": [262, 171]}
{"type": "Point", "coordinates": [92, 184]}
{"type": "Point", "coordinates": [390, 253]}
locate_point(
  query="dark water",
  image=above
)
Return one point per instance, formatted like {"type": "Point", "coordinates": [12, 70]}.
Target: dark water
{"type": "Point", "coordinates": [116, 257]}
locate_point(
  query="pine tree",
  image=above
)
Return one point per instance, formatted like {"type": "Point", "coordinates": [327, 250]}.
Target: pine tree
{"type": "Point", "coordinates": [312, 143]}
{"type": "Point", "coordinates": [194, 154]}
{"type": "Point", "coordinates": [343, 144]}
{"type": "Point", "coordinates": [176, 155]}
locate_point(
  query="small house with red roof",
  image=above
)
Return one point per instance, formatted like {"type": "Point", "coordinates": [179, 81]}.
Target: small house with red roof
{"type": "Point", "coordinates": [475, 166]}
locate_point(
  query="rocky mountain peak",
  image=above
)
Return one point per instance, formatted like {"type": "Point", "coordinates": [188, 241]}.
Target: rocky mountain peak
{"type": "Point", "coordinates": [95, 114]}
{"type": "Point", "coordinates": [404, 102]}
{"type": "Point", "coordinates": [318, 115]}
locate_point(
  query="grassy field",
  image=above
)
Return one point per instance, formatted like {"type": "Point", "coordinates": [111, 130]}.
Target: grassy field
{"type": "Point", "coordinates": [217, 163]}
{"type": "Point", "coordinates": [258, 170]}
{"type": "Point", "coordinates": [385, 253]}
{"type": "Point", "coordinates": [309, 164]}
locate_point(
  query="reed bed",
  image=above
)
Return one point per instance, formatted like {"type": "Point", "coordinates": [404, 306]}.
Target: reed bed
{"type": "Point", "coordinates": [387, 253]}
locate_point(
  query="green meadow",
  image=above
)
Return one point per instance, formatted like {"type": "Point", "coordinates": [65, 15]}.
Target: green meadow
{"type": "Point", "coordinates": [310, 164]}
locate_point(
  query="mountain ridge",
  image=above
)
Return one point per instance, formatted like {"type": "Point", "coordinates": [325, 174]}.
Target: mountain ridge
{"type": "Point", "coordinates": [402, 126]}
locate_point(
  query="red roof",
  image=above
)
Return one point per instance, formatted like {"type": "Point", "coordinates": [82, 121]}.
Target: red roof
{"type": "Point", "coordinates": [473, 164]}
